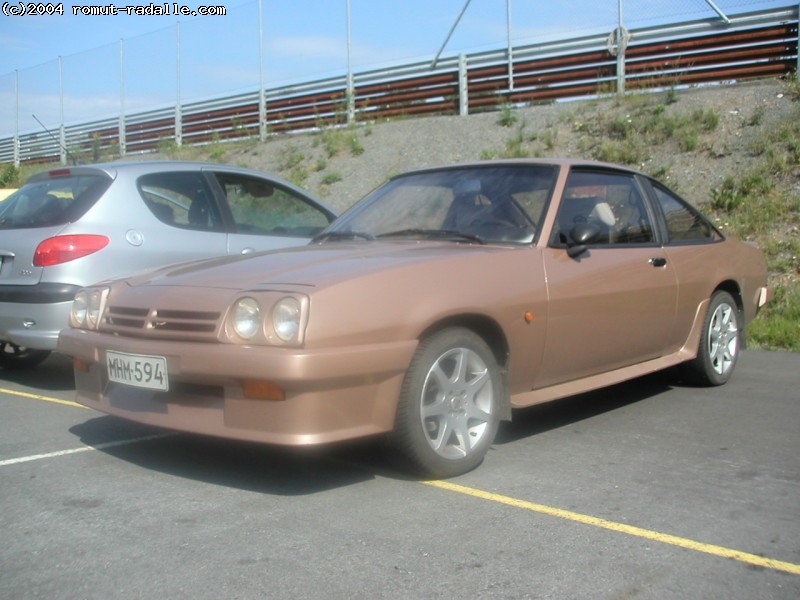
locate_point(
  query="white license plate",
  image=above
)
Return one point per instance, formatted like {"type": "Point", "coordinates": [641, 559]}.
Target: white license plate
{"type": "Point", "coordinates": [139, 370]}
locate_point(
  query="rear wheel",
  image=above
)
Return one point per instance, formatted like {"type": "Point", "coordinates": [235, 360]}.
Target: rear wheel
{"type": "Point", "coordinates": [20, 357]}
{"type": "Point", "coordinates": [719, 344]}
{"type": "Point", "coordinates": [448, 412]}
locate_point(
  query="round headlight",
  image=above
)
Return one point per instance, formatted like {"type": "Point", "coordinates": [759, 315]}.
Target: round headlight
{"type": "Point", "coordinates": [94, 304]}
{"type": "Point", "coordinates": [286, 318]}
{"type": "Point", "coordinates": [246, 318]}
{"type": "Point", "coordinates": [77, 316]}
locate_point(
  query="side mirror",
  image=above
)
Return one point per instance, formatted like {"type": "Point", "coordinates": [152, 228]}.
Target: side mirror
{"type": "Point", "coordinates": [580, 237]}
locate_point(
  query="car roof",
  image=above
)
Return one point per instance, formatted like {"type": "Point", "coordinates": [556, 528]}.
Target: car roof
{"type": "Point", "coordinates": [559, 162]}
{"type": "Point", "coordinates": [135, 168]}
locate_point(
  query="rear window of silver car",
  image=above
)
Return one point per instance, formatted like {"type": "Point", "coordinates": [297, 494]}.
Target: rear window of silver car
{"type": "Point", "coordinates": [54, 201]}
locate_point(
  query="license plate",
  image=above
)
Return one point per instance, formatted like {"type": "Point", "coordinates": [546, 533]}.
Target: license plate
{"type": "Point", "coordinates": [139, 370]}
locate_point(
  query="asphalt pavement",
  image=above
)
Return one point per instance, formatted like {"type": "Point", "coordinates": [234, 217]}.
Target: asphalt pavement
{"type": "Point", "coordinates": [648, 489]}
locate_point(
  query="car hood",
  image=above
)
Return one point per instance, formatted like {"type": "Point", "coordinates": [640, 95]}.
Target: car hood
{"type": "Point", "coordinates": [314, 266]}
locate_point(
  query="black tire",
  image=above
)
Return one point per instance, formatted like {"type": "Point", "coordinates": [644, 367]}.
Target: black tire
{"type": "Point", "coordinates": [13, 357]}
{"type": "Point", "coordinates": [719, 343]}
{"type": "Point", "coordinates": [449, 406]}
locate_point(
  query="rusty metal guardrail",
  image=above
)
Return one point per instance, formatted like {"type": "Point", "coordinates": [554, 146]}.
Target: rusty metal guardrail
{"type": "Point", "coordinates": [746, 46]}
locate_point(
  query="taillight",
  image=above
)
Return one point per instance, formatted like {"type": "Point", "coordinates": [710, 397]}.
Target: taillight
{"type": "Point", "coordinates": [64, 248]}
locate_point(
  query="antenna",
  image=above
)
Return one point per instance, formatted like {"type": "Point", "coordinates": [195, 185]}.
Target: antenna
{"type": "Point", "coordinates": [57, 141]}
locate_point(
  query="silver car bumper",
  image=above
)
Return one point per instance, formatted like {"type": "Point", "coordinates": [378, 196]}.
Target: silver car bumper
{"type": "Point", "coordinates": [33, 316]}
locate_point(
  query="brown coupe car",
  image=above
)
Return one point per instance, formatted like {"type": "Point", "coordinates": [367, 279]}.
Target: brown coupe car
{"type": "Point", "coordinates": [428, 311]}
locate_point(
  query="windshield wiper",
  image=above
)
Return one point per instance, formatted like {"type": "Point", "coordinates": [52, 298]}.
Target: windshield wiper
{"type": "Point", "coordinates": [445, 234]}
{"type": "Point", "coordinates": [341, 235]}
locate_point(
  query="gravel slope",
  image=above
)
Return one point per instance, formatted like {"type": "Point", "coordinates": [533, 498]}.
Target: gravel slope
{"type": "Point", "coordinates": [565, 129]}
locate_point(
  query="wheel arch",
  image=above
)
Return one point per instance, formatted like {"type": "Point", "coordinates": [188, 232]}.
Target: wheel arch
{"type": "Point", "coordinates": [735, 290]}
{"type": "Point", "coordinates": [494, 336]}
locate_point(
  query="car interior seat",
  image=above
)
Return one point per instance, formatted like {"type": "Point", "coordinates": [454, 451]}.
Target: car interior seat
{"type": "Point", "coordinates": [593, 210]}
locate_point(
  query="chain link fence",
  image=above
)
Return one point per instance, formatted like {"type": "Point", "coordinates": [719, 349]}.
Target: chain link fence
{"type": "Point", "coordinates": [250, 48]}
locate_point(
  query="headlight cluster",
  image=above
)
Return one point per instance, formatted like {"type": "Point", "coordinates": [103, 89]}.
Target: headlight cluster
{"type": "Point", "coordinates": [268, 319]}
{"type": "Point", "coordinates": [88, 307]}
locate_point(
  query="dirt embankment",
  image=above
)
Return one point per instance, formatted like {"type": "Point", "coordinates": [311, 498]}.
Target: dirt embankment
{"type": "Point", "coordinates": [344, 169]}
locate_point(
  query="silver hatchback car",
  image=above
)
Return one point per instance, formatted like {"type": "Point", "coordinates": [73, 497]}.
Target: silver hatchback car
{"type": "Point", "coordinates": [71, 227]}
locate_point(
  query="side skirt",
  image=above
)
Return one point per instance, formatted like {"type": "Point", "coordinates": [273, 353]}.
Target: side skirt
{"type": "Point", "coordinates": [562, 390]}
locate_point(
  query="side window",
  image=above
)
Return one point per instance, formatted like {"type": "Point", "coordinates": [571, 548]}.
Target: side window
{"type": "Point", "coordinates": [684, 224]}
{"type": "Point", "coordinates": [260, 208]}
{"type": "Point", "coordinates": [181, 199]}
{"type": "Point", "coordinates": [612, 202]}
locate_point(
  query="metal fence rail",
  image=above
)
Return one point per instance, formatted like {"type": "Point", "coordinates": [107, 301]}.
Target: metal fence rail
{"type": "Point", "coordinates": [750, 45]}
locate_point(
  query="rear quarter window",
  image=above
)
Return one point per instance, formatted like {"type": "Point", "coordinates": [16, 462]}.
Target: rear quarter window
{"type": "Point", "coordinates": [684, 223]}
{"type": "Point", "coordinates": [50, 202]}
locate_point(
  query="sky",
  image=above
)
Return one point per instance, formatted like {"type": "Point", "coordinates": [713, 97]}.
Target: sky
{"type": "Point", "coordinates": [138, 61]}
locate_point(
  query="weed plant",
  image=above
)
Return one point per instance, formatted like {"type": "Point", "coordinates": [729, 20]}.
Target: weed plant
{"type": "Point", "coordinates": [9, 176]}
{"type": "Point", "coordinates": [762, 204]}
{"type": "Point", "coordinates": [507, 115]}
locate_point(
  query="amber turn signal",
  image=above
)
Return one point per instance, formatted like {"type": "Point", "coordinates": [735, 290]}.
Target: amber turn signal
{"type": "Point", "coordinates": [262, 390]}
{"type": "Point", "coordinates": [81, 365]}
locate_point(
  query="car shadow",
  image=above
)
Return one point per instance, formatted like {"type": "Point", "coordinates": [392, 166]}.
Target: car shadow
{"type": "Point", "coordinates": [241, 465]}
{"type": "Point", "coordinates": [286, 471]}
{"type": "Point", "coordinates": [53, 375]}
{"type": "Point", "coordinates": [573, 409]}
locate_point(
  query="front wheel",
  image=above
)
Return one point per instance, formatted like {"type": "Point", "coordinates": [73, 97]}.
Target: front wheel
{"type": "Point", "coordinates": [719, 344]}
{"type": "Point", "coordinates": [449, 406]}
{"type": "Point", "coordinates": [19, 357]}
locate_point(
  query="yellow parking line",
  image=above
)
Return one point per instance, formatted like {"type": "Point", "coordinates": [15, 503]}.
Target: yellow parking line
{"type": "Point", "coordinates": [664, 538]}
{"type": "Point", "coordinates": [39, 397]}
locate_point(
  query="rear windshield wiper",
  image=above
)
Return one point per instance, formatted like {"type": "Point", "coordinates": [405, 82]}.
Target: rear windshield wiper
{"type": "Point", "coordinates": [341, 235]}
{"type": "Point", "coordinates": [444, 234]}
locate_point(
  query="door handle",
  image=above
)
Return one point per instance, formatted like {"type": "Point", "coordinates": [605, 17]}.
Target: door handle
{"type": "Point", "coordinates": [658, 262]}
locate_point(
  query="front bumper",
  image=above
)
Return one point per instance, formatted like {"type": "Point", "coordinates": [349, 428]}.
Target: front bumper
{"type": "Point", "coordinates": [330, 395]}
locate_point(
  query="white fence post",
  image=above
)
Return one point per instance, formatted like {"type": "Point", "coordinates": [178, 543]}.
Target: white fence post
{"type": "Point", "coordinates": [350, 93]}
{"type": "Point", "coordinates": [463, 86]}
{"type": "Point", "coordinates": [121, 126]}
{"type": "Point", "coordinates": [262, 97]}
{"type": "Point", "coordinates": [16, 119]}
{"type": "Point", "coordinates": [178, 110]}
{"type": "Point", "coordinates": [510, 47]}
{"type": "Point", "coordinates": [62, 138]}
{"type": "Point", "coordinates": [622, 45]}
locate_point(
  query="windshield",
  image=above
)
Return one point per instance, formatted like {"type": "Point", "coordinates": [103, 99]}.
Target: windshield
{"type": "Point", "coordinates": [488, 204]}
{"type": "Point", "coordinates": [49, 202]}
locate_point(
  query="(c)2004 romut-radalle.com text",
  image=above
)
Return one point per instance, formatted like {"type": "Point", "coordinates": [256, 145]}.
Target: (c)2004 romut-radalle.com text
{"type": "Point", "coordinates": [21, 9]}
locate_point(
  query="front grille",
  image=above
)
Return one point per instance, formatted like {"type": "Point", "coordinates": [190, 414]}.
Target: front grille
{"type": "Point", "coordinates": [126, 317]}
{"type": "Point", "coordinates": [162, 323]}
{"type": "Point", "coordinates": [184, 320]}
